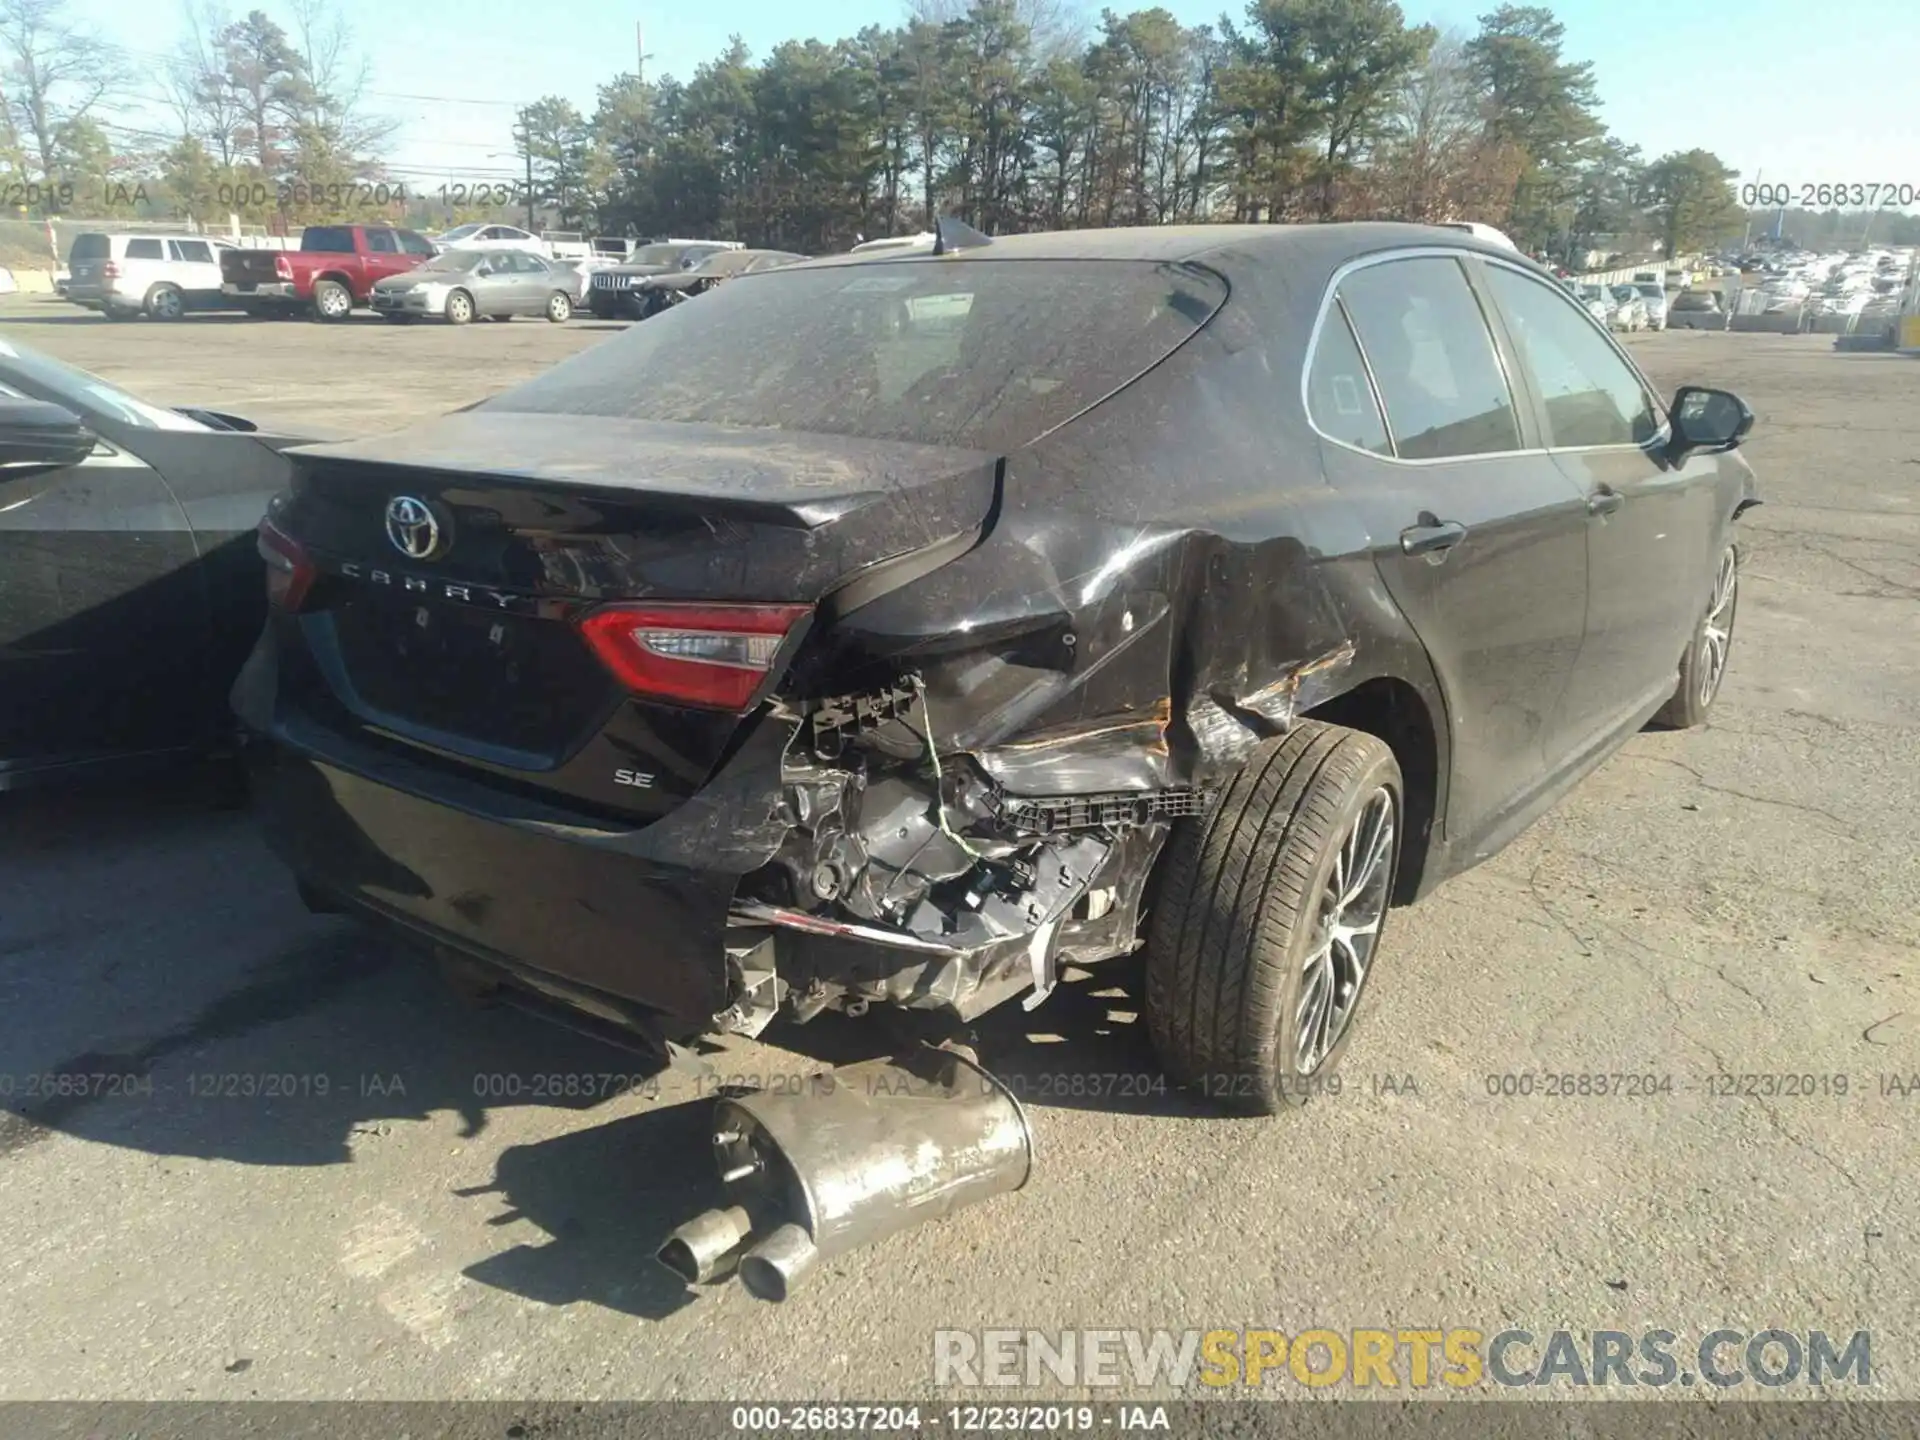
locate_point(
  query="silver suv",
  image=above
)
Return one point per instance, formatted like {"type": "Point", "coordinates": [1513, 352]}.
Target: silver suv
{"type": "Point", "coordinates": [163, 276]}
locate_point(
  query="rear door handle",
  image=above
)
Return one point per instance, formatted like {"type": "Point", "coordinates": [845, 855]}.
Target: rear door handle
{"type": "Point", "coordinates": [1431, 536]}
{"type": "Point", "coordinates": [1604, 501]}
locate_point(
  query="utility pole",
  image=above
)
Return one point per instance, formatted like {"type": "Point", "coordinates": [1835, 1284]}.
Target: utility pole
{"type": "Point", "coordinates": [526, 146]}
{"type": "Point", "coordinates": [639, 52]}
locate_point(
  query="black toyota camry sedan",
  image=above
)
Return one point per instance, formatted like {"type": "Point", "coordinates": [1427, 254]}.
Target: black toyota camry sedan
{"type": "Point", "coordinates": [130, 580]}
{"type": "Point", "coordinates": [896, 630]}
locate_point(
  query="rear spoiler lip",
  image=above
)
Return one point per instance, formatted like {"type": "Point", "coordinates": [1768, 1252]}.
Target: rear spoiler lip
{"type": "Point", "coordinates": [613, 463]}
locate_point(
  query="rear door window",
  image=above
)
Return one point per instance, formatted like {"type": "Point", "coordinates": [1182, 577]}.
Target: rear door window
{"type": "Point", "coordinates": [1340, 398]}
{"type": "Point", "coordinates": [144, 250]}
{"type": "Point", "coordinates": [1433, 359]}
{"type": "Point", "coordinates": [331, 239]}
{"type": "Point", "coordinates": [975, 352]}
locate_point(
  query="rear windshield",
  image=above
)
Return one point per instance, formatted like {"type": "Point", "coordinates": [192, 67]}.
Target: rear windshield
{"type": "Point", "coordinates": [985, 354]}
{"type": "Point", "coordinates": [90, 247]}
{"type": "Point", "coordinates": [333, 238]}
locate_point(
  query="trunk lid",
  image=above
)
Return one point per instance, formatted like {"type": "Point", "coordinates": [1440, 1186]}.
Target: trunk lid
{"type": "Point", "coordinates": [471, 648]}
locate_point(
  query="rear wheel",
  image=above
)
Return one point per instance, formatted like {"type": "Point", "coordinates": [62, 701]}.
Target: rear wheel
{"type": "Point", "coordinates": [165, 302]}
{"type": "Point", "coordinates": [331, 300]}
{"type": "Point", "coordinates": [1704, 665]}
{"type": "Point", "coordinates": [1270, 916]}
{"type": "Point", "coordinates": [459, 308]}
{"type": "Point", "coordinates": [559, 307]}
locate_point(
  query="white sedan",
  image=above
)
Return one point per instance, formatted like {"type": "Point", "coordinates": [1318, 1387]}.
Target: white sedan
{"type": "Point", "coordinates": [493, 237]}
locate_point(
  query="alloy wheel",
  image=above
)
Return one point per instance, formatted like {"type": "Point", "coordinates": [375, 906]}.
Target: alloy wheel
{"type": "Point", "coordinates": [1716, 631]}
{"type": "Point", "coordinates": [1353, 906]}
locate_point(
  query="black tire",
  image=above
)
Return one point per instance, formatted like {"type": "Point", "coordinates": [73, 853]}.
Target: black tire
{"type": "Point", "coordinates": [559, 307]}
{"type": "Point", "coordinates": [165, 302]}
{"type": "Point", "coordinates": [1242, 896]}
{"type": "Point", "coordinates": [332, 301]}
{"type": "Point", "coordinates": [1703, 668]}
{"type": "Point", "coordinates": [459, 308]}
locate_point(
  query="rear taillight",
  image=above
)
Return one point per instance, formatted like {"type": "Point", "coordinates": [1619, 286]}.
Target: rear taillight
{"type": "Point", "coordinates": [713, 656]}
{"type": "Point", "coordinates": [110, 271]}
{"type": "Point", "coordinates": [283, 267]}
{"type": "Point", "coordinates": [290, 572]}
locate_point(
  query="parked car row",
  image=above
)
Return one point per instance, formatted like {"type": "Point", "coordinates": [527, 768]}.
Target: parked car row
{"type": "Point", "coordinates": [334, 269]}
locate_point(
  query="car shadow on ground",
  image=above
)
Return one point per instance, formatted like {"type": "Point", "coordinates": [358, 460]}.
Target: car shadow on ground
{"type": "Point", "coordinates": [93, 317]}
{"type": "Point", "coordinates": [203, 1013]}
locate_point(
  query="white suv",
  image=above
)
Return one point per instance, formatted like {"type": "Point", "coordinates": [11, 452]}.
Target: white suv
{"type": "Point", "coordinates": [159, 275]}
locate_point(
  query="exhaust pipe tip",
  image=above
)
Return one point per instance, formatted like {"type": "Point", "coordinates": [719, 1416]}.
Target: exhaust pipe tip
{"type": "Point", "coordinates": [773, 1268]}
{"type": "Point", "coordinates": [707, 1246]}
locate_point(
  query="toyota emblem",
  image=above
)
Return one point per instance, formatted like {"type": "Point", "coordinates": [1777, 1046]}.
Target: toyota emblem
{"type": "Point", "coordinates": [413, 528]}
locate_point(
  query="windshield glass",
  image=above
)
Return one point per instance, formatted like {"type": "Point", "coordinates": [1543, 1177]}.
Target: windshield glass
{"type": "Point", "coordinates": [977, 353]}
{"type": "Point", "coordinates": [49, 379]}
{"type": "Point", "coordinates": [655, 255]}
{"type": "Point", "coordinates": [456, 260]}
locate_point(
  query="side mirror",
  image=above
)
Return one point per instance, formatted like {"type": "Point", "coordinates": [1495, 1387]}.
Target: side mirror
{"type": "Point", "coordinates": [36, 435]}
{"type": "Point", "coordinates": [1707, 420]}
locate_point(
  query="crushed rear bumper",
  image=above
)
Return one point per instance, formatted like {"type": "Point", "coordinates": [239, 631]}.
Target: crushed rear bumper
{"type": "Point", "coordinates": [646, 936]}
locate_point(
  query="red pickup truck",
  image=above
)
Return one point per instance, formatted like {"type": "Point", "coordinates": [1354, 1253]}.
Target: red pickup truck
{"type": "Point", "coordinates": [333, 270]}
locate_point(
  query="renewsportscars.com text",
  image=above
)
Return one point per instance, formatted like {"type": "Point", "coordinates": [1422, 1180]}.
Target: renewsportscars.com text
{"type": "Point", "coordinates": [1449, 1358]}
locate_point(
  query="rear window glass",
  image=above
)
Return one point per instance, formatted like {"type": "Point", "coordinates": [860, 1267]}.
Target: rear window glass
{"type": "Point", "coordinates": [90, 247]}
{"type": "Point", "coordinates": [978, 353]}
{"type": "Point", "coordinates": [337, 239]}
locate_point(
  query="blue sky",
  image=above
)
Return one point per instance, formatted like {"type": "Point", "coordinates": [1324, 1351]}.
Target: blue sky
{"type": "Point", "coordinates": [1800, 91]}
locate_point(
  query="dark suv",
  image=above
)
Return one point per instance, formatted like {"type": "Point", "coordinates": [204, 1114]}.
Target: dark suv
{"type": "Point", "coordinates": [898, 630]}
{"type": "Point", "coordinates": [613, 291]}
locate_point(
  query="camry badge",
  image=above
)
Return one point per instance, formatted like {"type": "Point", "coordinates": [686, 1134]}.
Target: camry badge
{"type": "Point", "coordinates": [413, 529]}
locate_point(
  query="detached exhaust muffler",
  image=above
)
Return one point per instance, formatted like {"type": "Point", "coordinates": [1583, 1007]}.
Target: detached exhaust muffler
{"type": "Point", "coordinates": [852, 1157]}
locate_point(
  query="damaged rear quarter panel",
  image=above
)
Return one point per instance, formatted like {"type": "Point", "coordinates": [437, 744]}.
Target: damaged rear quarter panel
{"type": "Point", "coordinates": [1168, 579]}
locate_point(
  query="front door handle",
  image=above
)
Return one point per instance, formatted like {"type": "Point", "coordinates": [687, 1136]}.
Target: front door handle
{"type": "Point", "coordinates": [1604, 501]}
{"type": "Point", "coordinates": [1431, 536]}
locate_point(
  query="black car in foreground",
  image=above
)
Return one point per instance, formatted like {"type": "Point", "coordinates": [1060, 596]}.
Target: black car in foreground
{"type": "Point", "coordinates": [130, 581]}
{"type": "Point", "coordinates": [900, 630]}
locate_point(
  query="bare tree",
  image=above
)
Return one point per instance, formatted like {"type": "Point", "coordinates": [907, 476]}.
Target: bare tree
{"type": "Point", "coordinates": [57, 72]}
{"type": "Point", "coordinates": [194, 82]}
{"type": "Point", "coordinates": [1436, 160]}
{"type": "Point", "coordinates": [337, 76]}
